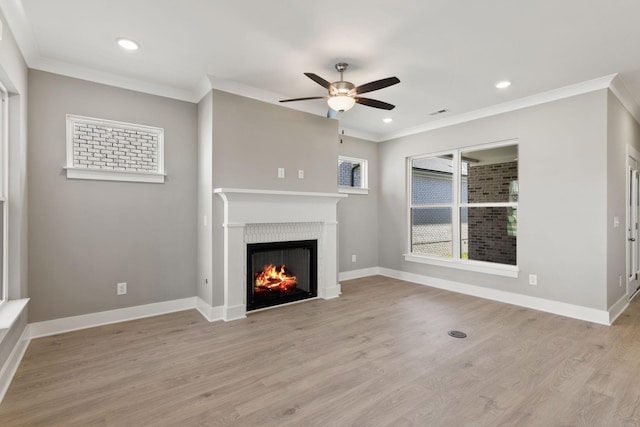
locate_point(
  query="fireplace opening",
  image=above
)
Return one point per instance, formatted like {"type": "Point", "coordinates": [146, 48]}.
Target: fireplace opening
{"type": "Point", "coordinates": [281, 272]}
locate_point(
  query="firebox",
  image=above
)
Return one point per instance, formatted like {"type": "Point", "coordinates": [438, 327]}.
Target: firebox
{"type": "Point", "coordinates": [281, 272]}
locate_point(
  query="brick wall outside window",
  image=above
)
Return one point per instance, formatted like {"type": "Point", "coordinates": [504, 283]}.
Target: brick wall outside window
{"type": "Point", "coordinates": [488, 236]}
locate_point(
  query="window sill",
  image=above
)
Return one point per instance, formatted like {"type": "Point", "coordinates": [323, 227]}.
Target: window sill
{"type": "Point", "coordinates": [477, 266]}
{"type": "Point", "coordinates": [109, 175]}
{"type": "Point", "coordinates": [9, 313]}
{"type": "Point", "coordinates": [353, 190]}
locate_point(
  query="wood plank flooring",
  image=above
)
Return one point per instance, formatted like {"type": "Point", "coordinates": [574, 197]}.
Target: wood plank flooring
{"type": "Point", "coordinates": [378, 356]}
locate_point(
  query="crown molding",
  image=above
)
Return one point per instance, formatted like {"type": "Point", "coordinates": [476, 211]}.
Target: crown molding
{"type": "Point", "coordinates": [357, 133]}
{"type": "Point", "coordinates": [251, 92]}
{"type": "Point", "coordinates": [620, 90]}
{"type": "Point", "coordinates": [18, 23]}
{"type": "Point", "coordinates": [505, 107]}
{"type": "Point", "coordinates": [97, 76]}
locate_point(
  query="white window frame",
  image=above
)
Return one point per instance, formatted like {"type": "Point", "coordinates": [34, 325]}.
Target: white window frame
{"type": "Point", "coordinates": [74, 172]}
{"type": "Point", "coordinates": [456, 261]}
{"type": "Point", "coordinates": [364, 176]}
{"type": "Point", "coordinates": [4, 190]}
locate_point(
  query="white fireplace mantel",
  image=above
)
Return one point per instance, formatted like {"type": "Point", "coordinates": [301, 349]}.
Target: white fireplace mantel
{"type": "Point", "coordinates": [305, 212]}
{"type": "Point", "coordinates": [267, 206]}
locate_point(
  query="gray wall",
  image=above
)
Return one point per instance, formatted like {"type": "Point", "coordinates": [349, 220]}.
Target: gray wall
{"type": "Point", "coordinates": [622, 130]}
{"type": "Point", "coordinates": [563, 192]}
{"type": "Point", "coordinates": [358, 214]}
{"type": "Point", "coordinates": [85, 236]}
{"type": "Point", "coordinates": [13, 74]}
{"type": "Point", "coordinates": [251, 140]}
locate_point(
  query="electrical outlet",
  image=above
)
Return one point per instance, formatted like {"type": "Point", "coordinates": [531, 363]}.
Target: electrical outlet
{"type": "Point", "coordinates": [533, 279]}
{"type": "Point", "coordinates": [121, 288]}
{"type": "Point", "coordinates": [280, 172]}
{"type": "Point", "coordinates": [354, 258]}
{"type": "Point", "coordinates": [620, 281]}
{"type": "Point", "coordinates": [300, 174]}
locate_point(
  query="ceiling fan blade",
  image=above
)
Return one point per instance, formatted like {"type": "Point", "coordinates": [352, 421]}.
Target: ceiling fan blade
{"type": "Point", "coordinates": [374, 103]}
{"type": "Point", "coordinates": [304, 99]}
{"type": "Point", "coordinates": [331, 113]}
{"type": "Point", "coordinates": [378, 84]}
{"type": "Point", "coordinates": [316, 78]}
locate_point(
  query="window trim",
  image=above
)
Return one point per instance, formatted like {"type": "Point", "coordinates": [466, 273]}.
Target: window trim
{"type": "Point", "coordinates": [456, 262]}
{"type": "Point", "coordinates": [4, 191]}
{"type": "Point", "coordinates": [73, 172]}
{"type": "Point", "coordinates": [364, 176]}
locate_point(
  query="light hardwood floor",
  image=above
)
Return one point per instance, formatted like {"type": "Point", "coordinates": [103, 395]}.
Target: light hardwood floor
{"type": "Point", "coordinates": [378, 356]}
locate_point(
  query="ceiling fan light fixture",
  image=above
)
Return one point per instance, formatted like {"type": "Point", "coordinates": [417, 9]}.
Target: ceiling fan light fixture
{"type": "Point", "coordinates": [341, 102]}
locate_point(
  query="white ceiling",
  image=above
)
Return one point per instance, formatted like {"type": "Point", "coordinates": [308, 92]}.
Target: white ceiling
{"type": "Point", "coordinates": [447, 53]}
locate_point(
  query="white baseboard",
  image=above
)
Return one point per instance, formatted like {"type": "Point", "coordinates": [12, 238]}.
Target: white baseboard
{"type": "Point", "coordinates": [212, 314]}
{"type": "Point", "coordinates": [330, 293]}
{"type": "Point", "coordinates": [11, 365]}
{"type": "Point", "coordinates": [68, 324]}
{"type": "Point", "coordinates": [357, 274]}
{"type": "Point", "coordinates": [234, 312]}
{"type": "Point", "coordinates": [618, 308]}
{"type": "Point", "coordinates": [549, 306]}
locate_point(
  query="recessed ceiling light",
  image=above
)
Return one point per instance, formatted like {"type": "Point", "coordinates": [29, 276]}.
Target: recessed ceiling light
{"type": "Point", "coordinates": [503, 84]}
{"type": "Point", "coordinates": [387, 120]}
{"type": "Point", "coordinates": [128, 44]}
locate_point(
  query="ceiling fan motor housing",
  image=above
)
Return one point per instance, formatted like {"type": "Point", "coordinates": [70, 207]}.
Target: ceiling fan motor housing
{"type": "Point", "coordinates": [342, 88]}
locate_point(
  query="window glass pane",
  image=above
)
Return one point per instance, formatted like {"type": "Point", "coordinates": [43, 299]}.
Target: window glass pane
{"type": "Point", "coordinates": [349, 174]}
{"type": "Point", "coordinates": [432, 180]}
{"type": "Point", "coordinates": [431, 231]}
{"type": "Point", "coordinates": [491, 175]}
{"type": "Point", "coordinates": [491, 234]}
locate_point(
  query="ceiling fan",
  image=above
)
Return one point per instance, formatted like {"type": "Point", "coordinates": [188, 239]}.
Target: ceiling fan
{"type": "Point", "coordinates": [344, 95]}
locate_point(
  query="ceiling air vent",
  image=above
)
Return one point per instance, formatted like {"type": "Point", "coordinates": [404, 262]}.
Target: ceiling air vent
{"type": "Point", "coordinates": [435, 113]}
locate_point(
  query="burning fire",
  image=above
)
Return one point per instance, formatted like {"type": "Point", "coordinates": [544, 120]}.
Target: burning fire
{"type": "Point", "coordinates": [273, 279]}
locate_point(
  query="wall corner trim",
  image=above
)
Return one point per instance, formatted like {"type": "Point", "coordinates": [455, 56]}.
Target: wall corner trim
{"type": "Point", "coordinates": [618, 308]}
{"type": "Point", "coordinates": [212, 314]}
